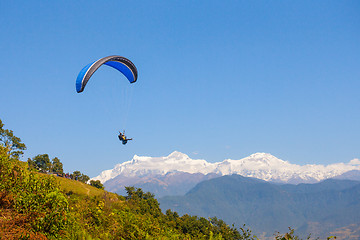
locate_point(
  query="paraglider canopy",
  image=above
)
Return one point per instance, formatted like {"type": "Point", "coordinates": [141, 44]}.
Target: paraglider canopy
{"type": "Point", "coordinates": [124, 65]}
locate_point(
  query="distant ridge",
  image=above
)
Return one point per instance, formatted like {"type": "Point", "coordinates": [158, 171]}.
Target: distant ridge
{"type": "Point", "coordinates": [350, 175]}
{"type": "Point", "coordinates": [322, 208]}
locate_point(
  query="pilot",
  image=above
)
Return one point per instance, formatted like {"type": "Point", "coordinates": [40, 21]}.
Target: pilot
{"type": "Point", "coordinates": [123, 138]}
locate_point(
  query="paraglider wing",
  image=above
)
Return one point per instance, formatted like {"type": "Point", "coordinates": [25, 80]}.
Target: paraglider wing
{"type": "Point", "coordinates": [124, 65]}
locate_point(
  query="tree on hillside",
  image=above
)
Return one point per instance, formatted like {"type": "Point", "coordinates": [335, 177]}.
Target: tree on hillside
{"type": "Point", "coordinates": [97, 184]}
{"type": "Point", "coordinates": [77, 175]}
{"type": "Point", "coordinates": [84, 178]}
{"type": "Point", "coordinates": [146, 201]}
{"type": "Point", "coordinates": [11, 143]}
{"type": "Point", "coordinates": [137, 193]}
{"type": "Point", "coordinates": [40, 162]}
{"type": "Point", "coordinates": [32, 164]}
{"type": "Point", "coordinates": [56, 166]}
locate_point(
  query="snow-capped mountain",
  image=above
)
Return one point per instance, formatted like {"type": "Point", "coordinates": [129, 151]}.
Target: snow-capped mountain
{"type": "Point", "coordinates": [259, 165]}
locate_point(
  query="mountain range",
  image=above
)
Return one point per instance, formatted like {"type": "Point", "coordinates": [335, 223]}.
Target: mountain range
{"type": "Point", "coordinates": [177, 173]}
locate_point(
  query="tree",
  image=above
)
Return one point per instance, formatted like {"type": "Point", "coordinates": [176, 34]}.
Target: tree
{"type": "Point", "coordinates": [137, 193]}
{"type": "Point", "coordinates": [76, 175]}
{"type": "Point", "coordinates": [171, 216]}
{"type": "Point", "coordinates": [41, 162]}
{"type": "Point", "coordinates": [97, 184]}
{"type": "Point", "coordinates": [32, 164]}
{"type": "Point", "coordinates": [84, 178]}
{"type": "Point", "coordinates": [146, 201]}
{"type": "Point", "coordinates": [11, 143]}
{"type": "Point", "coordinates": [56, 166]}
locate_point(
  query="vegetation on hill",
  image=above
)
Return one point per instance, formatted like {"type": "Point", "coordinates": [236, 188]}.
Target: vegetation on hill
{"type": "Point", "coordinates": [38, 205]}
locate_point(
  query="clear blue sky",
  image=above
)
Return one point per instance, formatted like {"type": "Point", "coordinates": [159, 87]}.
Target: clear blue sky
{"type": "Point", "coordinates": [217, 79]}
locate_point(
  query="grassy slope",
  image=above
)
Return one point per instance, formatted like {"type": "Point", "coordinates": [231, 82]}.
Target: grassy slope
{"type": "Point", "coordinates": [68, 185]}
{"type": "Point", "coordinates": [77, 187]}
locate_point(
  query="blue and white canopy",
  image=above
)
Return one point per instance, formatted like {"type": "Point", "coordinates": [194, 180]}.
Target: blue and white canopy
{"type": "Point", "coordinates": [124, 65]}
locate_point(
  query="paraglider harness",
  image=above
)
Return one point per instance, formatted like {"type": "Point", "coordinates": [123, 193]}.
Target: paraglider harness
{"type": "Point", "coordinates": [123, 138]}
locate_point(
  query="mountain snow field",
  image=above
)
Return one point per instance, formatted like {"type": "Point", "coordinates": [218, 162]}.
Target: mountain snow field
{"type": "Point", "coordinates": [258, 165]}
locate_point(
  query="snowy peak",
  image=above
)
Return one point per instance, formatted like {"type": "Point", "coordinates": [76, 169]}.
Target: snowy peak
{"type": "Point", "coordinates": [258, 165]}
{"type": "Point", "coordinates": [264, 157]}
{"type": "Point", "coordinates": [177, 155]}
{"type": "Point", "coordinates": [263, 160]}
{"type": "Point", "coordinates": [141, 166]}
{"type": "Point", "coordinates": [261, 156]}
